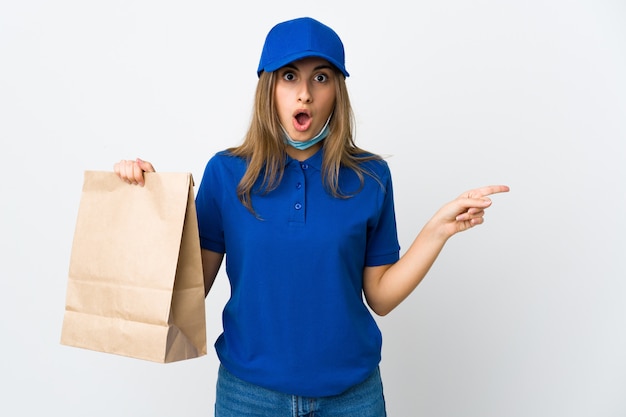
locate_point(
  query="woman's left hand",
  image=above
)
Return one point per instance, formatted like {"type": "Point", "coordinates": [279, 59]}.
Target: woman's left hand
{"type": "Point", "coordinates": [385, 286]}
{"type": "Point", "coordinates": [466, 211]}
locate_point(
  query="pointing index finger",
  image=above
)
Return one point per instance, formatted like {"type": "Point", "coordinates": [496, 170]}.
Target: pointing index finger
{"type": "Point", "coordinates": [488, 190]}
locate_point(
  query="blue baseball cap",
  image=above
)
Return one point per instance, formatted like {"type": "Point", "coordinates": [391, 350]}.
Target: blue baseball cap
{"type": "Point", "coordinates": [301, 38]}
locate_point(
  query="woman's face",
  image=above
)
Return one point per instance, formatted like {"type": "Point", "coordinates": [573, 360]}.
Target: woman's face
{"type": "Point", "coordinates": [305, 96]}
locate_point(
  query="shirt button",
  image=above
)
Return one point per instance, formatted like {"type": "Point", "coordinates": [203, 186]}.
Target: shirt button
{"type": "Point", "coordinates": [299, 185]}
{"type": "Point", "coordinates": [304, 166]}
{"type": "Point", "coordinates": [297, 206]}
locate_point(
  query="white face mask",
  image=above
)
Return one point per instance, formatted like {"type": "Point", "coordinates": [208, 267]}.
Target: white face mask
{"type": "Point", "coordinates": [308, 143]}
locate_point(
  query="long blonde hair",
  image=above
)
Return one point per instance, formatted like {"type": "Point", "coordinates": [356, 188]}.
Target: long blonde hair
{"type": "Point", "coordinates": [264, 147]}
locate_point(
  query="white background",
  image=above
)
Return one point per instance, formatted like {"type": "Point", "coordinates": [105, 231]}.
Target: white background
{"type": "Point", "coordinates": [523, 316]}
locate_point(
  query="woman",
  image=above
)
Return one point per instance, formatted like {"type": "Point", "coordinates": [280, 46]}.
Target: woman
{"type": "Point", "coordinates": [307, 221]}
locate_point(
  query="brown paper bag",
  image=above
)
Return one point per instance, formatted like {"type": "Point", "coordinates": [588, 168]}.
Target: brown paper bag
{"type": "Point", "coordinates": [135, 285]}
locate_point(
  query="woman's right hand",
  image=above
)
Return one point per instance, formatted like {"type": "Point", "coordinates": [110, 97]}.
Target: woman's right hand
{"type": "Point", "coordinates": [132, 171]}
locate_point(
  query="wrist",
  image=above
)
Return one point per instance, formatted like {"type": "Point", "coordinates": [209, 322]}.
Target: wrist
{"type": "Point", "coordinates": [436, 231]}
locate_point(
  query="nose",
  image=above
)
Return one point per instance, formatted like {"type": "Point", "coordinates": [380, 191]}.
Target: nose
{"type": "Point", "coordinates": [304, 95]}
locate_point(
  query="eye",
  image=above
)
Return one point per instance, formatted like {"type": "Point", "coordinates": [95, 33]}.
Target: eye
{"type": "Point", "coordinates": [321, 78]}
{"type": "Point", "coordinates": [289, 76]}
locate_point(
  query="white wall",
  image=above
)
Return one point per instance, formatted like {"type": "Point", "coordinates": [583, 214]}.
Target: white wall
{"type": "Point", "coordinates": [524, 316]}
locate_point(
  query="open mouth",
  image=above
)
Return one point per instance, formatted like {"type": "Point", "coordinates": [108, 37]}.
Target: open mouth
{"type": "Point", "coordinates": [301, 121]}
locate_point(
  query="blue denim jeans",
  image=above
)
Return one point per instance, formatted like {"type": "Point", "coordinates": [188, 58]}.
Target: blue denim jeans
{"type": "Point", "coordinates": [237, 398]}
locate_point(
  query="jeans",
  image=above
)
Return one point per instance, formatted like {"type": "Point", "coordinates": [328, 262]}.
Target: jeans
{"type": "Point", "coordinates": [237, 398]}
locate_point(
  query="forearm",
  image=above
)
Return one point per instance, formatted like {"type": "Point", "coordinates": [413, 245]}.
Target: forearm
{"type": "Point", "coordinates": [386, 288]}
{"type": "Point", "coordinates": [211, 262]}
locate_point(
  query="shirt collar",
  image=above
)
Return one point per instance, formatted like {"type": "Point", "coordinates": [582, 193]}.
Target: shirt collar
{"type": "Point", "coordinates": [315, 161]}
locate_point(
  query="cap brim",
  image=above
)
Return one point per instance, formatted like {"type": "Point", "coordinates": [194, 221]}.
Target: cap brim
{"type": "Point", "coordinates": [279, 63]}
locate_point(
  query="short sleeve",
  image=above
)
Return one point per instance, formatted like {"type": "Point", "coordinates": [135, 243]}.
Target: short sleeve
{"type": "Point", "coordinates": [382, 240]}
{"type": "Point", "coordinates": [208, 208]}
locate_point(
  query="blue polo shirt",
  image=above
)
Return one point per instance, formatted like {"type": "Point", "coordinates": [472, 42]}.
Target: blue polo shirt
{"type": "Point", "coordinates": [296, 321]}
